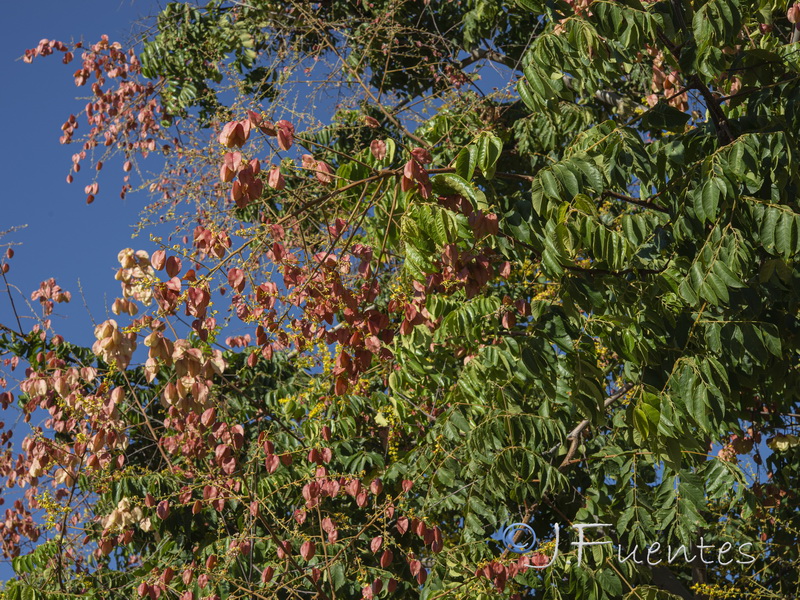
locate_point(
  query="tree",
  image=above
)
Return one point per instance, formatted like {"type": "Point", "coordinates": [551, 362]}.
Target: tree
{"type": "Point", "coordinates": [572, 300]}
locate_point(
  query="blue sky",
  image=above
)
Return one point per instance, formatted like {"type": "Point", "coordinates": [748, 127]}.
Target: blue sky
{"type": "Point", "coordinates": [64, 238]}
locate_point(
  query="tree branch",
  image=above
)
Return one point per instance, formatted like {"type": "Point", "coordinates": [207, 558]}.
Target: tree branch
{"type": "Point", "coordinates": [632, 200]}
{"type": "Point", "coordinates": [605, 194]}
{"type": "Point", "coordinates": [574, 436]}
{"type": "Point", "coordinates": [724, 134]}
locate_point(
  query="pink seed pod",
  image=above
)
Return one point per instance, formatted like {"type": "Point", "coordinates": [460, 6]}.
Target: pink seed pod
{"type": "Point", "coordinates": [275, 179]}
{"type": "Point", "coordinates": [415, 567]}
{"type": "Point", "coordinates": [284, 549]}
{"type": "Point", "coordinates": [386, 558]}
{"type": "Point", "coordinates": [326, 454]}
{"type": "Point", "coordinates": [378, 149]}
{"type": "Point", "coordinates": [324, 172]}
{"type": "Point", "coordinates": [377, 586]}
{"type": "Point", "coordinates": [173, 266]}
{"type": "Point", "coordinates": [422, 156]}
{"type": "Point", "coordinates": [307, 550]}
{"type": "Point", "coordinates": [167, 575]}
{"type": "Point", "coordinates": [285, 134]}
{"type": "Point", "coordinates": [158, 259]}
{"type": "Point", "coordinates": [402, 525]}
{"type": "Point", "coordinates": [793, 14]}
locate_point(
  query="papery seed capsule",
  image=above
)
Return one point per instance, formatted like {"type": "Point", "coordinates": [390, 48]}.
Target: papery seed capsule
{"type": "Point", "coordinates": [793, 14]}
{"type": "Point", "coordinates": [266, 574]}
{"type": "Point", "coordinates": [386, 558]}
{"type": "Point", "coordinates": [307, 550]}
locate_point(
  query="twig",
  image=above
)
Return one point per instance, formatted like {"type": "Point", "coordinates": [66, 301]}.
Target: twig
{"type": "Point", "coordinates": [632, 200]}
{"type": "Point", "coordinates": [13, 306]}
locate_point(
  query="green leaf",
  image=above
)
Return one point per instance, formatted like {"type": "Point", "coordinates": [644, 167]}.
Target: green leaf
{"type": "Point", "coordinates": [449, 183]}
{"type": "Point", "coordinates": [786, 234]}
{"type": "Point", "coordinates": [663, 117]}
{"type": "Point", "coordinates": [649, 592]}
{"type": "Point", "coordinates": [465, 162]}
{"type": "Point", "coordinates": [490, 147]}
{"type": "Point", "coordinates": [338, 577]}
